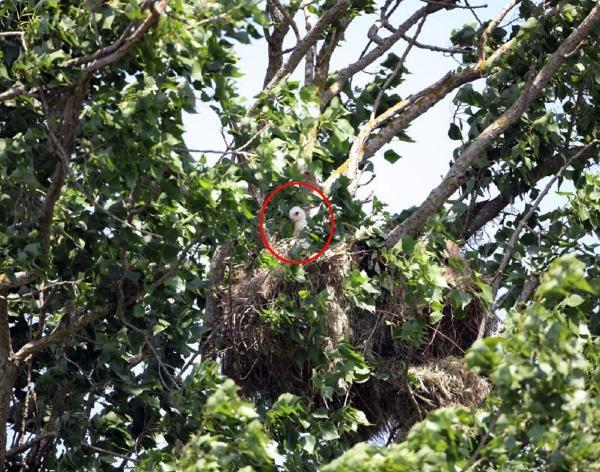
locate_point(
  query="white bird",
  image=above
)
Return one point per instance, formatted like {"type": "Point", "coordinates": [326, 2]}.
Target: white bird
{"type": "Point", "coordinates": [298, 216]}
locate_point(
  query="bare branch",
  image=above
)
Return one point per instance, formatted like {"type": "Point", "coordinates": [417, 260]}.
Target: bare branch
{"type": "Point", "coordinates": [431, 47]}
{"type": "Point", "coordinates": [454, 178]}
{"type": "Point", "coordinates": [473, 12]}
{"type": "Point", "coordinates": [464, 7]}
{"type": "Point", "coordinates": [100, 450]}
{"type": "Point", "coordinates": [453, 50]}
{"type": "Point", "coordinates": [329, 17]}
{"type": "Point", "coordinates": [343, 75]}
{"type": "Point", "coordinates": [25, 446]}
{"type": "Point", "coordinates": [398, 68]}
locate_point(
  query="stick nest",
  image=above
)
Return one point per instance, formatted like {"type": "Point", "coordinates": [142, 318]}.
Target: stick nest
{"type": "Point", "coordinates": [409, 380]}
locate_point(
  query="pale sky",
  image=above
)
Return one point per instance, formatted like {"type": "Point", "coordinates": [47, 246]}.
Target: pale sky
{"type": "Point", "coordinates": [423, 163]}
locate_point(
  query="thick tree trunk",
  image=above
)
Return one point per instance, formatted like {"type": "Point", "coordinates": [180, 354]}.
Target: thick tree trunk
{"type": "Point", "coordinates": [7, 375]}
{"type": "Point", "coordinates": [7, 378]}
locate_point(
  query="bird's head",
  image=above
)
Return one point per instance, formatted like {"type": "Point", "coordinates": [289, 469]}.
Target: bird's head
{"type": "Point", "coordinates": [297, 214]}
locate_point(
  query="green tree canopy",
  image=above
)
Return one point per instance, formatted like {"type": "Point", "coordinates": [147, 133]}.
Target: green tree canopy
{"type": "Point", "coordinates": [142, 322]}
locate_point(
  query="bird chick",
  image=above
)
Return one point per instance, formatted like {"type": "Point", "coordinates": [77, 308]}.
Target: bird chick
{"type": "Point", "coordinates": [298, 216]}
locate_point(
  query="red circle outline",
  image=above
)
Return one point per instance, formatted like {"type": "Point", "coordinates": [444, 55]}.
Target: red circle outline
{"type": "Point", "coordinates": [261, 221]}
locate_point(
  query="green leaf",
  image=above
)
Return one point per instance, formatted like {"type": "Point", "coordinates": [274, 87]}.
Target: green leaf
{"type": "Point", "coordinates": [308, 442]}
{"type": "Point", "coordinates": [391, 156]}
{"type": "Point", "coordinates": [454, 132]}
{"type": "Point", "coordinates": [574, 300]}
{"type": "Point", "coordinates": [160, 326]}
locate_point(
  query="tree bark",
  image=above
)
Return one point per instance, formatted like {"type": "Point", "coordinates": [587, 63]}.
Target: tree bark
{"type": "Point", "coordinates": [487, 210]}
{"type": "Point", "coordinates": [7, 378]}
{"type": "Point", "coordinates": [215, 277]}
{"type": "Point", "coordinates": [8, 372]}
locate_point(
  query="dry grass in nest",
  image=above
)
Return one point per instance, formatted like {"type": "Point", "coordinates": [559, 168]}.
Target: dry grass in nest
{"type": "Point", "coordinates": [260, 360]}
{"type": "Point", "coordinates": [266, 364]}
{"type": "Point", "coordinates": [448, 382]}
{"type": "Point", "coordinates": [393, 405]}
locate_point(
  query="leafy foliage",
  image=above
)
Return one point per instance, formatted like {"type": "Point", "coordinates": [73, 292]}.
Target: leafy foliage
{"type": "Point", "coordinates": [132, 274]}
{"type": "Point", "coordinates": [544, 410]}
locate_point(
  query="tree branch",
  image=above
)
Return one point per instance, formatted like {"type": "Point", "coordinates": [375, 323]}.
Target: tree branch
{"type": "Point", "coordinates": [57, 180]}
{"type": "Point", "coordinates": [454, 178]}
{"type": "Point", "coordinates": [215, 277]}
{"type": "Point", "coordinates": [156, 10]}
{"type": "Point", "coordinates": [5, 341]}
{"type": "Point", "coordinates": [328, 18]}
{"type": "Point", "coordinates": [25, 446]}
{"type": "Point", "coordinates": [106, 55]}
{"type": "Point", "coordinates": [13, 92]}
{"type": "Point", "coordinates": [398, 67]}
{"type": "Point", "coordinates": [453, 50]}
{"type": "Point", "coordinates": [288, 18]}
{"type": "Point", "coordinates": [76, 324]}
{"type": "Point", "coordinates": [20, 34]}
{"type": "Point", "coordinates": [432, 47]}
{"type": "Point", "coordinates": [282, 23]}
{"type": "Point", "coordinates": [18, 279]}
{"type": "Point", "coordinates": [60, 333]}
{"type": "Point", "coordinates": [492, 26]}
{"type": "Point", "coordinates": [384, 45]}
{"type": "Point", "coordinates": [486, 211]}
{"type": "Point", "coordinates": [323, 60]}
{"type": "Point", "coordinates": [408, 110]}
{"type": "Point", "coordinates": [510, 247]}
{"type": "Point", "coordinates": [428, 97]}
{"type": "Point", "coordinates": [100, 450]}
{"type": "Point", "coordinates": [531, 283]}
